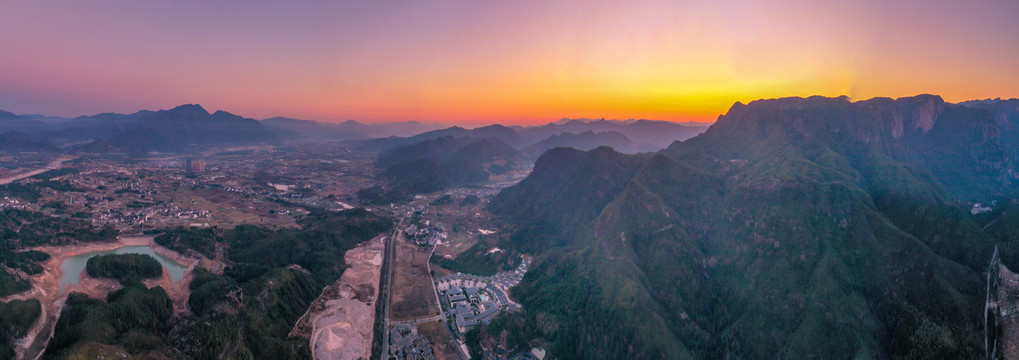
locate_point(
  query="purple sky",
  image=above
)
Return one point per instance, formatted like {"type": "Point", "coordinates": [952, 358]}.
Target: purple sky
{"type": "Point", "coordinates": [509, 61]}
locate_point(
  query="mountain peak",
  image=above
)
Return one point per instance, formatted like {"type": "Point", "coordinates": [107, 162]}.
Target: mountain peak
{"type": "Point", "coordinates": [190, 109]}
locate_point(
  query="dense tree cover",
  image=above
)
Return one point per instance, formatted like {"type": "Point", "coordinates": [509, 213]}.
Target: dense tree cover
{"type": "Point", "coordinates": [11, 284]}
{"type": "Point", "coordinates": [246, 320]}
{"type": "Point", "coordinates": [477, 260]}
{"type": "Point", "coordinates": [796, 228]}
{"type": "Point", "coordinates": [16, 318]}
{"type": "Point", "coordinates": [207, 290]}
{"type": "Point", "coordinates": [1003, 225]}
{"type": "Point", "coordinates": [354, 224]}
{"type": "Point", "coordinates": [62, 186]}
{"type": "Point", "coordinates": [15, 266]}
{"type": "Point", "coordinates": [21, 228]}
{"type": "Point", "coordinates": [248, 312]}
{"type": "Point", "coordinates": [134, 319]}
{"type": "Point", "coordinates": [20, 191]}
{"type": "Point", "coordinates": [319, 252]}
{"type": "Point", "coordinates": [51, 174]}
{"type": "Point", "coordinates": [182, 240]}
{"type": "Point", "coordinates": [125, 268]}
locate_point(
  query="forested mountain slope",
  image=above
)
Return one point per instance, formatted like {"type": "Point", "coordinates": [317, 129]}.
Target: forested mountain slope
{"type": "Point", "coordinates": [792, 228]}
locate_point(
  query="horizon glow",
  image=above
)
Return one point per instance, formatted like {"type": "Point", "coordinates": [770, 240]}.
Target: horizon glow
{"type": "Point", "coordinates": [518, 63]}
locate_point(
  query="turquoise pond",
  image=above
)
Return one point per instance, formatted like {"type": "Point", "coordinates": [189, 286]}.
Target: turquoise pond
{"type": "Point", "coordinates": [73, 266]}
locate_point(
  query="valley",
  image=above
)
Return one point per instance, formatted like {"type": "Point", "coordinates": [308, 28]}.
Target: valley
{"type": "Point", "coordinates": [494, 180]}
{"type": "Point", "coordinates": [457, 243]}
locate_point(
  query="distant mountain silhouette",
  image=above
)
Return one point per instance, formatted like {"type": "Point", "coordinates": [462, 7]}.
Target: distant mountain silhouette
{"type": "Point", "coordinates": [94, 147]}
{"type": "Point", "coordinates": [645, 135]}
{"type": "Point", "coordinates": [308, 130]}
{"type": "Point", "coordinates": [583, 141]}
{"type": "Point", "coordinates": [503, 133]}
{"type": "Point", "coordinates": [182, 127]}
{"type": "Point", "coordinates": [178, 129]}
{"type": "Point", "coordinates": [642, 135]}
{"type": "Point", "coordinates": [25, 123]}
{"type": "Point", "coordinates": [19, 142]}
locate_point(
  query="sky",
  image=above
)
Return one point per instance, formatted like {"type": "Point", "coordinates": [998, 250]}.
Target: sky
{"type": "Point", "coordinates": [514, 62]}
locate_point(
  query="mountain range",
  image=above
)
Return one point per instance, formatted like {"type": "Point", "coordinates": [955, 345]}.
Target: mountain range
{"type": "Point", "coordinates": [792, 228]}
{"type": "Point", "coordinates": [638, 135]}
{"type": "Point", "coordinates": [189, 127]}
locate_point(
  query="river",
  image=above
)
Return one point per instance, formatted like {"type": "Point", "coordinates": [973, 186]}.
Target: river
{"type": "Point", "coordinates": [53, 165]}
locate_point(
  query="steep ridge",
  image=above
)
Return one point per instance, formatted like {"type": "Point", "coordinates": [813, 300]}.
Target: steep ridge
{"type": "Point", "coordinates": [1006, 115]}
{"type": "Point", "coordinates": [792, 228]}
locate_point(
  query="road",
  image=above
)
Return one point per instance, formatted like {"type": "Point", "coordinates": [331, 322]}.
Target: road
{"type": "Point", "coordinates": [53, 165]}
{"type": "Point", "coordinates": [418, 321]}
{"type": "Point", "coordinates": [387, 272]}
{"type": "Point", "coordinates": [431, 279]}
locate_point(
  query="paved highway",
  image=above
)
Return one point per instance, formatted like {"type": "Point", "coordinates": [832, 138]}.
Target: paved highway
{"type": "Point", "coordinates": [387, 272]}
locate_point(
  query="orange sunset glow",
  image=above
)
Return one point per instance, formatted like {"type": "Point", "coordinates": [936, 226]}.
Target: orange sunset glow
{"type": "Point", "coordinates": [482, 62]}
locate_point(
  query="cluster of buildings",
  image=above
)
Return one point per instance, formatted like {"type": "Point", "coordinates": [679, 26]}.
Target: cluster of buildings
{"type": "Point", "coordinates": [13, 203]}
{"type": "Point", "coordinates": [979, 208]}
{"type": "Point", "coordinates": [425, 235]}
{"type": "Point", "coordinates": [194, 166]}
{"type": "Point", "coordinates": [503, 280]}
{"type": "Point", "coordinates": [469, 300]}
{"type": "Point", "coordinates": [164, 214]}
{"type": "Point", "coordinates": [467, 307]}
{"type": "Point", "coordinates": [407, 344]}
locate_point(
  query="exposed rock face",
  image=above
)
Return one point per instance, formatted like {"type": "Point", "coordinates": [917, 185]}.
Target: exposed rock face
{"type": "Point", "coordinates": [339, 324]}
{"type": "Point", "coordinates": [954, 142]}
{"type": "Point", "coordinates": [1006, 116]}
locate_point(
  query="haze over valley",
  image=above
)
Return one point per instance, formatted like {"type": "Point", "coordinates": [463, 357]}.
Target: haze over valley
{"type": "Point", "coordinates": [509, 181]}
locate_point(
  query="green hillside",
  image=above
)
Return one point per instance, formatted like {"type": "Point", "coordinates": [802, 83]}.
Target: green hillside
{"type": "Point", "coordinates": [436, 164]}
{"type": "Point", "coordinates": [793, 228]}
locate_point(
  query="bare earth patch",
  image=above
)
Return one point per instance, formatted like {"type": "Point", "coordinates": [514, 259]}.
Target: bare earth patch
{"type": "Point", "coordinates": [442, 343]}
{"type": "Point", "coordinates": [46, 287]}
{"type": "Point", "coordinates": [413, 295]}
{"type": "Point", "coordinates": [339, 323]}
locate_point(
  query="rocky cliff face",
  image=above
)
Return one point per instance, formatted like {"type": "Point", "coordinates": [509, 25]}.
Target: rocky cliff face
{"type": "Point", "coordinates": [1006, 116]}
{"type": "Point", "coordinates": [960, 145]}
{"type": "Point", "coordinates": [793, 228]}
